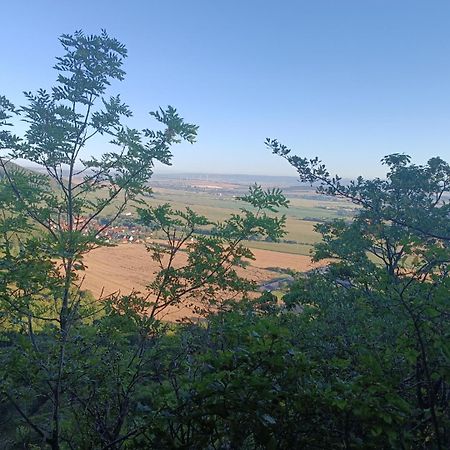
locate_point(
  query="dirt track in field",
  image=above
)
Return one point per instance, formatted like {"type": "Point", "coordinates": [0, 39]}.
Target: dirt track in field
{"type": "Point", "coordinates": [129, 267]}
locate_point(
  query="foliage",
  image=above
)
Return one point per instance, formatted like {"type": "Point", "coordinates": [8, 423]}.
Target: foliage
{"type": "Point", "coordinates": [208, 278]}
{"type": "Point", "coordinates": [75, 367]}
{"type": "Point", "coordinates": [48, 219]}
{"type": "Point", "coordinates": [391, 263]}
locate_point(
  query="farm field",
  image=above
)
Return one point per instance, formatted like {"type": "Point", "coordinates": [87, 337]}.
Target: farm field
{"type": "Point", "coordinates": [217, 200]}
{"type": "Point", "coordinates": [129, 267]}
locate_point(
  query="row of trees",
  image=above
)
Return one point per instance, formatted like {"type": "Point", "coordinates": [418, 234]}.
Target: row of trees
{"type": "Point", "coordinates": [365, 365]}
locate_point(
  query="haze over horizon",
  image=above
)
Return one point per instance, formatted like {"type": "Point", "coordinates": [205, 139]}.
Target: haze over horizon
{"type": "Point", "coordinates": [347, 81]}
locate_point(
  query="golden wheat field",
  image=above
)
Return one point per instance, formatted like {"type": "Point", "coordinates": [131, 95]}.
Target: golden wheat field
{"type": "Point", "coordinates": [129, 267]}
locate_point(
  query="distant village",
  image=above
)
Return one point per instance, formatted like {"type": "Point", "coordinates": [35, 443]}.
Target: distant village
{"type": "Point", "coordinates": [124, 230]}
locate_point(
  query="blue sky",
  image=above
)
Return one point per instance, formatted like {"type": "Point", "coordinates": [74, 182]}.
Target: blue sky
{"type": "Point", "coordinates": [348, 81]}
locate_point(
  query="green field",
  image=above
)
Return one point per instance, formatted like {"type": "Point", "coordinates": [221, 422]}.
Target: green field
{"type": "Point", "coordinates": [301, 216]}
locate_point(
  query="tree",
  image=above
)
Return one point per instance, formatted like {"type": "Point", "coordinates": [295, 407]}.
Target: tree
{"type": "Point", "coordinates": [75, 370]}
{"type": "Point", "coordinates": [132, 354]}
{"type": "Point", "coordinates": [40, 282]}
{"type": "Point", "coordinates": [209, 278]}
{"type": "Point", "coordinates": [394, 257]}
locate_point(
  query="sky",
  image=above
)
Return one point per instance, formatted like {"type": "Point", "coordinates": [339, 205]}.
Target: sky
{"type": "Point", "coordinates": [348, 81]}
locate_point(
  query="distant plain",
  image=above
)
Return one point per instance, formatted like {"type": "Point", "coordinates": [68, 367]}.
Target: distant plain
{"type": "Point", "coordinates": [128, 266]}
